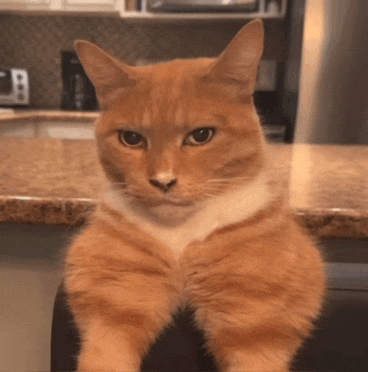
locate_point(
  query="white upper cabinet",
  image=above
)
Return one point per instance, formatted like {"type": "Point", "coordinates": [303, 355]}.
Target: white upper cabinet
{"type": "Point", "coordinates": [90, 5]}
{"type": "Point", "coordinates": [158, 9]}
{"type": "Point", "coordinates": [89, 2]}
{"type": "Point", "coordinates": [206, 9]}
{"type": "Point", "coordinates": [25, 4]}
{"type": "Point", "coordinates": [60, 5]}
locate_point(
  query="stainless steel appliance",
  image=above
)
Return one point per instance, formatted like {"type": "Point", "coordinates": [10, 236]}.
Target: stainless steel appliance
{"type": "Point", "coordinates": [14, 87]}
{"type": "Point", "coordinates": [326, 83]}
{"type": "Point", "coordinates": [78, 91]}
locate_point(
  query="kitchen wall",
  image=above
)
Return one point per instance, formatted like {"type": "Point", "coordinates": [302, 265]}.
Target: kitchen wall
{"type": "Point", "coordinates": [34, 42]}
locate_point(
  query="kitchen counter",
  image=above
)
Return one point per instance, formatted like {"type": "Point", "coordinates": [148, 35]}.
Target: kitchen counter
{"type": "Point", "coordinates": [57, 182]}
{"type": "Point", "coordinates": [10, 115]}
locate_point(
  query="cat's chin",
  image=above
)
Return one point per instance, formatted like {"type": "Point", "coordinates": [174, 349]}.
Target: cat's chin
{"type": "Point", "coordinates": [165, 210]}
{"type": "Point", "coordinates": [159, 202]}
{"type": "Point", "coordinates": [170, 213]}
{"type": "Point", "coordinates": [164, 200]}
{"type": "Point", "coordinates": [168, 210]}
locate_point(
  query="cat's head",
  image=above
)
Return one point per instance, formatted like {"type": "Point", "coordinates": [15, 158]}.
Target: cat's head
{"type": "Point", "coordinates": [182, 131]}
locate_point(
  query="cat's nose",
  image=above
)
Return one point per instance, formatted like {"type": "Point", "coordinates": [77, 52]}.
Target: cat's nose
{"type": "Point", "coordinates": [163, 185]}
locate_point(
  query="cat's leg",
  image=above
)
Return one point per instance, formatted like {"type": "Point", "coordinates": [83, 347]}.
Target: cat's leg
{"type": "Point", "coordinates": [242, 344]}
{"type": "Point", "coordinates": [122, 296]}
{"type": "Point", "coordinates": [254, 297]}
{"type": "Point", "coordinates": [253, 324]}
{"type": "Point", "coordinates": [254, 321]}
{"type": "Point", "coordinates": [116, 332]}
{"type": "Point", "coordinates": [108, 348]}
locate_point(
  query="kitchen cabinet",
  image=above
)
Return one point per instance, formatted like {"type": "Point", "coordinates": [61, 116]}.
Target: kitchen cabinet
{"type": "Point", "coordinates": [25, 4]}
{"type": "Point", "coordinates": [90, 5]}
{"type": "Point", "coordinates": [30, 262]}
{"type": "Point", "coordinates": [89, 2]}
{"type": "Point", "coordinates": [60, 5]}
{"type": "Point", "coordinates": [137, 9]}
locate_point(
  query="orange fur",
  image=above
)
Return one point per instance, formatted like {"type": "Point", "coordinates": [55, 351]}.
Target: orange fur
{"type": "Point", "coordinates": [221, 239]}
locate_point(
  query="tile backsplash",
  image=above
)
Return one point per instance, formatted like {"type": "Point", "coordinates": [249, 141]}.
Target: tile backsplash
{"type": "Point", "coordinates": [35, 42]}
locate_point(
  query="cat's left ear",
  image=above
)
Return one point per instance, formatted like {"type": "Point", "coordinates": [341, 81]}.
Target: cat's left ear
{"type": "Point", "coordinates": [237, 65]}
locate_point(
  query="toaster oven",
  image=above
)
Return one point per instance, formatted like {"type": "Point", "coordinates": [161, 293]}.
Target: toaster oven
{"type": "Point", "coordinates": [14, 87]}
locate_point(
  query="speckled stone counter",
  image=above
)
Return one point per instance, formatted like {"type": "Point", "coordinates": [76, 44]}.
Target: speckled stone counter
{"type": "Point", "coordinates": [54, 181]}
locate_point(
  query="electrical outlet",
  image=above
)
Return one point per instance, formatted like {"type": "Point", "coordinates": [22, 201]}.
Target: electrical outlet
{"type": "Point", "coordinates": [266, 78]}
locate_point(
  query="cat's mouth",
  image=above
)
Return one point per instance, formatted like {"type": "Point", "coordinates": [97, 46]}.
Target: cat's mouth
{"type": "Point", "coordinates": [162, 199]}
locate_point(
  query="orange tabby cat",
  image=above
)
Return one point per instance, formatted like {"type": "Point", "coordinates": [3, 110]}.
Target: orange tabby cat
{"type": "Point", "coordinates": [191, 217]}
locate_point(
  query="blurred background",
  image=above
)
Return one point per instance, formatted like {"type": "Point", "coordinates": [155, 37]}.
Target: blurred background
{"type": "Point", "coordinates": [315, 54]}
{"type": "Point", "coordinates": [312, 87]}
{"type": "Point", "coordinates": [313, 77]}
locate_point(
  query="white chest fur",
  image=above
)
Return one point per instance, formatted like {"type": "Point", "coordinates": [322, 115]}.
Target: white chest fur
{"type": "Point", "coordinates": [224, 210]}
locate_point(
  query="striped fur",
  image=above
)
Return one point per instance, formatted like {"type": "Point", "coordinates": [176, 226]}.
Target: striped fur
{"type": "Point", "coordinates": [221, 239]}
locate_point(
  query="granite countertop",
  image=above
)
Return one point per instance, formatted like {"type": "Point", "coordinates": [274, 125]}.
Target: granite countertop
{"type": "Point", "coordinates": [55, 181]}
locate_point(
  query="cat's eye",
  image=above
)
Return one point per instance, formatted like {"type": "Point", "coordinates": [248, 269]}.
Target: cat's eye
{"type": "Point", "coordinates": [199, 136]}
{"type": "Point", "coordinates": [131, 139]}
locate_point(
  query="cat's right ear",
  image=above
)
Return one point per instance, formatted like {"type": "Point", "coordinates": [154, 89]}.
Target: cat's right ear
{"type": "Point", "coordinates": [237, 65]}
{"type": "Point", "coordinates": [107, 74]}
